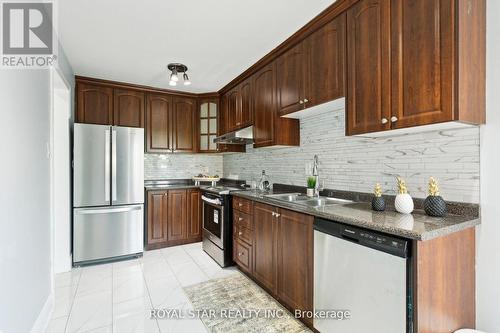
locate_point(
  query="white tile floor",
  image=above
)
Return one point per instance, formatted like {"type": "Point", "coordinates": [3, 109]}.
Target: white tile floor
{"type": "Point", "coordinates": [117, 297]}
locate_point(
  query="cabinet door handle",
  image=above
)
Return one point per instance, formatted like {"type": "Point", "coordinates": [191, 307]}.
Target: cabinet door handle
{"type": "Point", "coordinates": [274, 214]}
{"type": "Point", "coordinates": [394, 119]}
{"type": "Point", "coordinates": [240, 233]}
{"type": "Point", "coordinates": [384, 121]}
{"type": "Point", "coordinates": [240, 219]}
{"type": "Point", "coordinates": [240, 204]}
{"type": "Point", "coordinates": [306, 100]}
{"type": "Point", "coordinates": [240, 254]}
{"type": "Point", "coordinates": [278, 215]}
{"type": "Point", "coordinates": [301, 102]}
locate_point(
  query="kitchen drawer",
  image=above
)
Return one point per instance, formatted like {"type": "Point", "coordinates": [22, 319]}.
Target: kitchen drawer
{"type": "Point", "coordinates": [243, 234]}
{"type": "Point", "coordinates": [242, 219]}
{"type": "Point", "coordinates": [243, 205]}
{"type": "Point", "coordinates": [242, 255]}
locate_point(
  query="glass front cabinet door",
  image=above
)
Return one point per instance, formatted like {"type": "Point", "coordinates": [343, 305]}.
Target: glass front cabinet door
{"type": "Point", "coordinates": [208, 127]}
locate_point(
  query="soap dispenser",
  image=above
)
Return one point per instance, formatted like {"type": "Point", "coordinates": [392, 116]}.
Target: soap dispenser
{"type": "Point", "coordinates": [264, 183]}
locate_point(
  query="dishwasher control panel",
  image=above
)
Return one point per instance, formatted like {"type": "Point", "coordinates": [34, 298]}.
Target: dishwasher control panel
{"type": "Point", "coordinates": [372, 239]}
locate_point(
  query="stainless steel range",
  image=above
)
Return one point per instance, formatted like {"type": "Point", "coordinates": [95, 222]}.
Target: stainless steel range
{"type": "Point", "coordinates": [217, 223]}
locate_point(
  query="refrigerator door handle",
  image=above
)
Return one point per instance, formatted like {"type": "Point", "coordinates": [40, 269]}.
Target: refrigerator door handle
{"type": "Point", "coordinates": [106, 166]}
{"type": "Point", "coordinates": [87, 211]}
{"type": "Point", "coordinates": [113, 165]}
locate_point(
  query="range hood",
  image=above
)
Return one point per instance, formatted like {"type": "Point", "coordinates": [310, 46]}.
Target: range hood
{"type": "Point", "coordinates": [239, 137]}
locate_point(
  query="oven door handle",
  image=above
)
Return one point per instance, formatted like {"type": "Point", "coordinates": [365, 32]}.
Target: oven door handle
{"type": "Point", "coordinates": [211, 201]}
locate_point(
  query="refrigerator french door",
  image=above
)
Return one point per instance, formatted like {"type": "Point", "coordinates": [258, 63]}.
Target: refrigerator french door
{"type": "Point", "coordinates": [108, 196]}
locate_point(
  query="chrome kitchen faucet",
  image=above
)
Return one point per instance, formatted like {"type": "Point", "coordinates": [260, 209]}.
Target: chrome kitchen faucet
{"type": "Point", "coordinates": [315, 173]}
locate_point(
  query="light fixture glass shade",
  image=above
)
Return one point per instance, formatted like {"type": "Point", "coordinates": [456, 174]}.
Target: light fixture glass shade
{"type": "Point", "coordinates": [186, 79]}
{"type": "Point", "coordinates": [172, 83]}
{"type": "Point", "coordinates": [174, 77]}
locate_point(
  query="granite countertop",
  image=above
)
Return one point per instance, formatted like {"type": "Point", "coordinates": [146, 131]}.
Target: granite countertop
{"type": "Point", "coordinates": [416, 226]}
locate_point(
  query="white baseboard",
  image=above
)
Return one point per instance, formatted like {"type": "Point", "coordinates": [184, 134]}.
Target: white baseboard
{"type": "Point", "coordinates": [64, 265]}
{"type": "Point", "coordinates": [42, 322]}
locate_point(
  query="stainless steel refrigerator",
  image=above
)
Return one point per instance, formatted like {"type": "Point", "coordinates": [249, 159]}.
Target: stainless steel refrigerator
{"type": "Point", "coordinates": [108, 192]}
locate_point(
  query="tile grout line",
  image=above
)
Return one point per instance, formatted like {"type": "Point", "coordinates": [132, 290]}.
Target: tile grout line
{"type": "Point", "coordinates": [147, 288]}
{"type": "Point", "coordinates": [73, 299]}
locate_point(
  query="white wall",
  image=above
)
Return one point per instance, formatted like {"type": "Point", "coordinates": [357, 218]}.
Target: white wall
{"type": "Point", "coordinates": [25, 258]}
{"type": "Point", "coordinates": [488, 236]}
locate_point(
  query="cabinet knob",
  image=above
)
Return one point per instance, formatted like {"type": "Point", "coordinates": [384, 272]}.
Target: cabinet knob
{"type": "Point", "coordinates": [240, 219]}
{"type": "Point", "coordinates": [240, 233]}
{"type": "Point", "coordinates": [240, 204]}
{"type": "Point", "coordinates": [301, 102]}
{"type": "Point", "coordinates": [384, 121]}
{"type": "Point", "coordinates": [240, 254]}
{"type": "Point", "coordinates": [306, 100]}
{"type": "Point", "coordinates": [278, 215]}
{"type": "Point", "coordinates": [394, 119]}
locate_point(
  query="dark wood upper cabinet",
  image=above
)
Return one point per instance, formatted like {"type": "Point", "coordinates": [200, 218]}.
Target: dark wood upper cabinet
{"type": "Point", "coordinates": [265, 245]}
{"type": "Point", "coordinates": [232, 110]}
{"type": "Point", "coordinates": [325, 63]}
{"type": "Point", "coordinates": [128, 108]}
{"type": "Point", "coordinates": [295, 260]}
{"type": "Point", "coordinates": [270, 129]}
{"type": "Point", "coordinates": [412, 63]}
{"type": "Point", "coordinates": [184, 134]}
{"type": "Point", "coordinates": [290, 80]}
{"type": "Point", "coordinates": [159, 123]}
{"type": "Point", "coordinates": [177, 215]}
{"type": "Point", "coordinates": [369, 67]}
{"type": "Point", "coordinates": [423, 62]}
{"type": "Point", "coordinates": [157, 218]}
{"type": "Point", "coordinates": [94, 104]}
{"type": "Point", "coordinates": [194, 215]}
{"type": "Point", "coordinates": [264, 86]}
{"type": "Point", "coordinates": [245, 114]}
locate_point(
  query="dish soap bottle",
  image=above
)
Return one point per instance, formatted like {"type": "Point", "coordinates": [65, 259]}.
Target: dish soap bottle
{"type": "Point", "coordinates": [264, 183]}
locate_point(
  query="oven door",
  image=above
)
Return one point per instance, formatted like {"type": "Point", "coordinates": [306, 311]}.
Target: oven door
{"type": "Point", "coordinates": [213, 219]}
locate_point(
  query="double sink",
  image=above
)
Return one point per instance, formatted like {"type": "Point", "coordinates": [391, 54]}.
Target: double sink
{"type": "Point", "coordinates": [300, 199]}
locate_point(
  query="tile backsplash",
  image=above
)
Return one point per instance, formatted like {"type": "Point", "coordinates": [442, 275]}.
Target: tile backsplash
{"type": "Point", "coordinates": [181, 166]}
{"type": "Point", "coordinates": [356, 164]}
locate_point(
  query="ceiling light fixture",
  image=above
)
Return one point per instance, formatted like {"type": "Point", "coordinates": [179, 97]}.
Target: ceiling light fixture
{"type": "Point", "coordinates": [186, 79]}
{"type": "Point", "coordinates": [176, 69]}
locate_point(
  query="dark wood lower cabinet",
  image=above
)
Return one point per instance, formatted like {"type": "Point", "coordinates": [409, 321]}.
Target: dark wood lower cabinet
{"type": "Point", "coordinates": [173, 218]}
{"type": "Point", "coordinates": [281, 253]}
{"type": "Point", "coordinates": [265, 244]}
{"type": "Point", "coordinates": [194, 214]}
{"type": "Point", "coordinates": [295, 260]}
{"type": "Point", "coordinates": [157, 218]}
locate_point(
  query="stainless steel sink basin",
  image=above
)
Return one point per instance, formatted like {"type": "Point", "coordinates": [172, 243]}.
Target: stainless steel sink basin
{"type": "Point", "coordinates": [288, 197]}
{"type": "Point", "coordinates": [324, 201]}
{"type": "Point", "coordinates": [301, 199]}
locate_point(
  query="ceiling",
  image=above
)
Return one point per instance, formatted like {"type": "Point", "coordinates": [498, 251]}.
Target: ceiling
{"type": "Point", "coordinates": [133, 41]}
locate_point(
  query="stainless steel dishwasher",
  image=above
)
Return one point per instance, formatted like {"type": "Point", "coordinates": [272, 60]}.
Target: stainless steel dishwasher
{"type": "Point", "coordinates": [363, 272]}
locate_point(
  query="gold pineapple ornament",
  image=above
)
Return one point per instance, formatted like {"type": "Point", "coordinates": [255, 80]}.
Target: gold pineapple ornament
{"type": "Point", "coordinates": [434, 204]}
{"type": "Point", "coordinates": [404, 202]}
{"type": "Point", "coordinates": [402, 189]}
{"type": "Point", "coordinates": [378, 202]}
